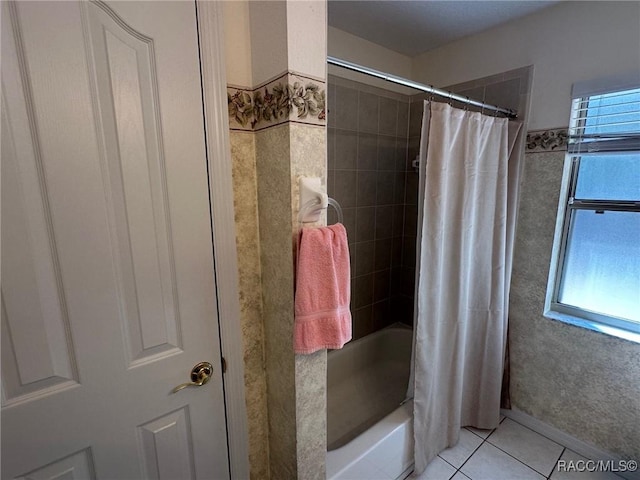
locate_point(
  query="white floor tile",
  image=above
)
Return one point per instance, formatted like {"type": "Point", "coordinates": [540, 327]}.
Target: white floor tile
{"type": "Point", "coordinates": [438, 469]}
{"type": "Point", "coordinates": [569, 456]}
{"type": "Point", "coordinates": [458, 454]}
{"type": "Point", "coordinates": [491, 463]}
{"type": "Point", "coordinates": [529, 447]}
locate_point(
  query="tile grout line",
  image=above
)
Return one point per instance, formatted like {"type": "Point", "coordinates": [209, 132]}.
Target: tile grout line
{"type": "Point", "coordinates": [564, 449]}
{"type": "Point", "coordinates": [486, 440]}
{"type": "Point", "coordinates": [517, 459]}
{"type": "Point", "coordinates": [472, 453]}
{"type": "Point", "coordinates": [520, 461]}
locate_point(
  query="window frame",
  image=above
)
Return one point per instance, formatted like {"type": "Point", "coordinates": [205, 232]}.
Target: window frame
{"type": "Point", "coordinates": [567, 204]}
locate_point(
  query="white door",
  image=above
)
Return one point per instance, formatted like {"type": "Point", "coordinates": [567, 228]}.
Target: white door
{"type": "Point", "coordinates": [108, 293]}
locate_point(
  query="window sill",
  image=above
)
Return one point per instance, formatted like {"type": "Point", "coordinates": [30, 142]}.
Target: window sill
{"type": "Point", "coordinates": [594, 326]}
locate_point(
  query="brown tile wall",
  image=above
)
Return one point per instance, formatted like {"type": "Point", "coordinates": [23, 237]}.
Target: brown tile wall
{"type": "Point", "coordinates": [367, 172]}
{"type": "Point", "coordinates": [373, 136]}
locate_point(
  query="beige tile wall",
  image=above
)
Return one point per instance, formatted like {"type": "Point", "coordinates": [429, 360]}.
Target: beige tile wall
{"type": "Point", "coordinates": [583, 382]}
{"type": "Point", "coordinates": [266, 167]}
{"type": "Point", "coordinates": [243, 156]}
{"type": "Point", "coordinates": [308, 146]}
{"type": "Point", "coordinates": [284, 41]}
{"type": "Point", "coordinates": [274, 200]}
{"type": "Point", "coordinates": [296, 384]}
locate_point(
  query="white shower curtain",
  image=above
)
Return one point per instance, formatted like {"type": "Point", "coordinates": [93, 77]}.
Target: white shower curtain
{"type": "Point", "coordinates": [469, 200]}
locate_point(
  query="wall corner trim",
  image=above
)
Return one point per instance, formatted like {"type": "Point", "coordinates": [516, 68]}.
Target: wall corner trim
{"type": "Point", "coordinates": [210, 31]}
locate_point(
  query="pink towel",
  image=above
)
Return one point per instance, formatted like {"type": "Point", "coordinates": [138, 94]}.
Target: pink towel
{"type": "Point", "coordinates": [323, 290]}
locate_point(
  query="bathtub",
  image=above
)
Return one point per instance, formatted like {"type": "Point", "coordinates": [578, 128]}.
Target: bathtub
{"type": "Point", "coordinates": [369, 429]}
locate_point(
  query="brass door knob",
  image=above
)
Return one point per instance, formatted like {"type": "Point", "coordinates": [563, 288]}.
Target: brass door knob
{"type": "Point", "coordinates": [200, 374]}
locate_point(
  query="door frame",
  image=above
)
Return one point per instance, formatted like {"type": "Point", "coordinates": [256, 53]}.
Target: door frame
{"type": "Point", "coordinates": [216, 117]}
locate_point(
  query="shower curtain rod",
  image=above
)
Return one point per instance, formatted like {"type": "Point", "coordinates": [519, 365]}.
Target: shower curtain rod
{"type": "Point", "coordinates": [419, 86]}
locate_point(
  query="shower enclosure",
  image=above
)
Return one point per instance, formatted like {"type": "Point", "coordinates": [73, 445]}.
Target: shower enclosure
{"type": "Point", "coordinates": [373, 139]}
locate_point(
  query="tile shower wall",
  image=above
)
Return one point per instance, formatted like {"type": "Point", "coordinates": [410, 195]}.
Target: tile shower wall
{"type": "Point", "coordinates": [373, 136]}
{"type": "Point", "coordinates": [367, 172]}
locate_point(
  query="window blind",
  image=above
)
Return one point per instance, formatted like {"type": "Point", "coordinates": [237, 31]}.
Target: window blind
{"type": "Point", "coordinates": [607, 122]}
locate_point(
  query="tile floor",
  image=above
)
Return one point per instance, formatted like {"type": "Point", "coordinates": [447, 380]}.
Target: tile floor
{"type": "Point", "coordinates": [510, 452]}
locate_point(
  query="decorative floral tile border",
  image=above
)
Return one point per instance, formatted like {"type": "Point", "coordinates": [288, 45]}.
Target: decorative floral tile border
{"type": "Point", "coordinates": [554, 140]}
{"type": "Point", "coordinates": [290, 97]}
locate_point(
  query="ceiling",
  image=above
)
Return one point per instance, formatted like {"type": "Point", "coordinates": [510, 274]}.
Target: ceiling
{"type": "Point", "coordinates": [414, 27]}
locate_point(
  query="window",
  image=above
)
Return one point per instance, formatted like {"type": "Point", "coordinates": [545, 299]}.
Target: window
{"type": "Point", "coordinates": [594, 279]}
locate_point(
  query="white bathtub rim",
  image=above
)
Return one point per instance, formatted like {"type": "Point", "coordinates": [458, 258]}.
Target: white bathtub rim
{"type": "Point", "coordinates": [341, 459]}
